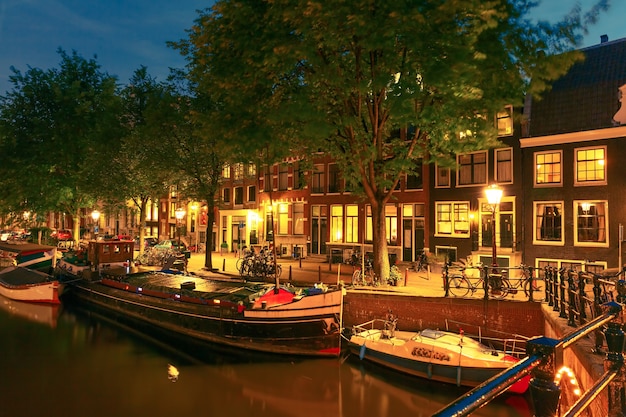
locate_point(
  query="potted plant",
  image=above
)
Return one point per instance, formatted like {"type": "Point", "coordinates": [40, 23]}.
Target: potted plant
{"type": "Point", "coordinates": [394, 275]}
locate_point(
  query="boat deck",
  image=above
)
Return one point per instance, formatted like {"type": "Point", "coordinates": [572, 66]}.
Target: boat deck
{"type": "Point", "coordinates": [16, 276]}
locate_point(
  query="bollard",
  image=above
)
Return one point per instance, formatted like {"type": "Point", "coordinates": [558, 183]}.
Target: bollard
{"type": "Point", "coordinates": [289, 273]}
{"type": "Point", "coordinates": [223, 264]}
{"type": "Point", "coordinates": [319, 273]}
{"type": "Point", "coordinates": [406, 276]}
{"type": "Point", "coordinates": [300, 261]}
{"type": "Point", "coordinates": [544, 392]}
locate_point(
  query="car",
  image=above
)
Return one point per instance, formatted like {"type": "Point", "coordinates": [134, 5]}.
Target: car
{"type": "Point", "coordinates": [171, 244]}
{"type": "Point", "coordinates": [148, 242]}
{"type": "Point", "coordinates": [61, 234]}
{"type": "Point", "coordinates": [5, 235]}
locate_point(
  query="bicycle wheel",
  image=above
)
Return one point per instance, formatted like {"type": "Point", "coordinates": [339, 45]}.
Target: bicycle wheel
{"type": "Point", "coordinates": [458, 286]}
{"type": "Point", "coordinates": [279, 270]}
{"type": "Point", "coordinates": [501, 292]}
{"type": "Point", "coordinates": [356, 277]}
{"type": "Point", "coordinates": [239, 265]}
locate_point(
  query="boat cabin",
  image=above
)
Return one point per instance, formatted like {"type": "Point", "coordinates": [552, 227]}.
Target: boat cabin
{"type": "Point", "coordinates": [110, 252]}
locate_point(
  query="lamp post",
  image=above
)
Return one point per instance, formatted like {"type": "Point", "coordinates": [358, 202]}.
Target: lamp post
{"type": "Point", "coordinates": [180, 213]}
{"type": "Point", "coordinates": [194, 225]}
{"type": "Point", "coordinates": [95, 215]}
{"type": "Point", "coordinates": [494, 195]}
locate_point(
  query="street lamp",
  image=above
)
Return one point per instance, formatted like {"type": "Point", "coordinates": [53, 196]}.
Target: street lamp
{"type": "Point", "coordinates": [180, 213]}
{"type": "Point", "coordinates": [95, 215]}
{"type": "Point", "coordinates": [494, 195]}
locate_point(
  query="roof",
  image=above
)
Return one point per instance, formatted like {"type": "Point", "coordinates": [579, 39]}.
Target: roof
{"type": "Point", "coordinates": [587, 97]}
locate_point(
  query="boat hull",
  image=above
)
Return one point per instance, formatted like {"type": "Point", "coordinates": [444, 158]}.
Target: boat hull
{"type": "Point", "coordinates": [458, 363]}
{"type": "Point", "coordinates": [306, 327]}
{"type": "Point", "coordinates": [22, 284]}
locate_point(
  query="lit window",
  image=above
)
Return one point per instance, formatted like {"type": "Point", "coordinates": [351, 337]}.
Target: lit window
{"type": "Point", "coordinates": [391, 223]}
{"type": "Point", "coordinates": [352, 223]}
{"type": "Point", "coordinates": [283, 219]}
{"type": "Point", "coordinates": [238, 171]}
{"type": "Point", "coordinates": [549, 222]}
{"type": "Point", "coordinates": [590, 166]}
{"type": "Point", "coordinates": [298, 219]}
{"type": "Point", "coordinates": [590, 223]}
{"type": "Point", "coordinates": [226, 172]}
{"type": "Point", "coordinates": [251, 172]}
{"type": "Point", "coordinates": [472, 168]}
{"type": "Point", "coordinates": [548, 168]}
{"type": "Point", "coordinates": [452, 219]}
{"type": "Point", "coordinates": [336, 224]}
{"type": "Point", "coordinates": [504, 122]}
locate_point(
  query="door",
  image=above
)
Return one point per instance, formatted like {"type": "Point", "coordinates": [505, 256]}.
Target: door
{"type": "Point", "coordinates": [506, 230]}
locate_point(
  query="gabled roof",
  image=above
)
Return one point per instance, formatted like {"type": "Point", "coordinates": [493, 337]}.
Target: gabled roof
{"type": "Point", "coordinates": [587, 97]}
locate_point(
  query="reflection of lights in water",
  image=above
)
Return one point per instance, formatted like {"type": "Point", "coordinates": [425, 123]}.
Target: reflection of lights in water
{"type": "Point", "coordinates": [172, 373]}
{"type": "Point", "coordinates": [573, 382]}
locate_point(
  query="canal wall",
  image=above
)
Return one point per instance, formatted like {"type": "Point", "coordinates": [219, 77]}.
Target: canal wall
{"type": "Point", "coordinates": [523, 318]}
{"type": "Point", "coordinates": [417, 313]}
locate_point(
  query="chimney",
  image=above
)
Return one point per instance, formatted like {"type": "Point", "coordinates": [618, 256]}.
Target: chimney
{"type": "Point", "coordinates": [604, 38]}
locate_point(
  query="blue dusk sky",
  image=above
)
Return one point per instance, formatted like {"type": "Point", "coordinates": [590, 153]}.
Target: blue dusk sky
{"type": "Point", "coordinates": [125, 34]}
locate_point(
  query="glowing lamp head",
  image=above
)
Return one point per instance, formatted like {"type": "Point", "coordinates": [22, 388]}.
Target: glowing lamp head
{"type": "Point", "coordinates": [494, 194]}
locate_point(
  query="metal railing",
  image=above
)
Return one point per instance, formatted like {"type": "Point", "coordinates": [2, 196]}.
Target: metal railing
{"type": "Point", "coordinates": [545, 358]}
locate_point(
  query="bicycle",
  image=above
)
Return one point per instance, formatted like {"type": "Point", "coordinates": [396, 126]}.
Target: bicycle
{"type": "Point", "coordinates": [367, 277]}
{"type": "Point", "coordinates": [524, 282]}
{"type": "Point", "coordinates": [422, 262]}
{"type": "Point", "coordinates": [459, 284]}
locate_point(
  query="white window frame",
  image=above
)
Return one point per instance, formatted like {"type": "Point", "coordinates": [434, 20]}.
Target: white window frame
{"type": "Point", "coordinates": [453, 233]}
{"type": "Point", "coordinates": [536, 238]}
{"type": "Point", "coordinates": [587, 183]}
{"type": "Point", "coordinates": [601, 244]}
{"type": "Point", "coordinates": [548, 184]}
{"type": "Point", "coordinates": [496, 165]}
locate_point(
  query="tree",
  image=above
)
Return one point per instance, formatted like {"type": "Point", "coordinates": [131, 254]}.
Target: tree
{"type": "Point", "coordinates": [377, 85]}
{"type": "Point", "coordinates": [188, 151]}
{"type": "Point", "coordinates": [54, 125]}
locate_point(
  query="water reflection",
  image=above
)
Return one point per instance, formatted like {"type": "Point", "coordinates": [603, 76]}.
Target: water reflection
{"type": "Point", "coordinates": [43, 313]}
{"type": "Point", "coordinates": [102, 366]}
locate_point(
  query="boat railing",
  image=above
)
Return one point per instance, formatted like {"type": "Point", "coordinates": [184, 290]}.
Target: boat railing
{"type": "Point", "coordinates": [544, 364]}
{"type": "Point", "coordinates": [509, 343]}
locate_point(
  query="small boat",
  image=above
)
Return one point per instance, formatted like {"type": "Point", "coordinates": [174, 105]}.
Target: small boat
{"type": "Point", "coordinates": [432, 354]}
{"type": "Point", "coordinates": [253, 316]}
{"type": "Point", "coordinates": [30, 255]}
{"type": "Point", "coordinates": [24, 284]}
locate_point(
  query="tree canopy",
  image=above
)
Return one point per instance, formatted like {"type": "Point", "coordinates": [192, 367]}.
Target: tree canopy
{"type": "Point", "coordinates": [377, 85]}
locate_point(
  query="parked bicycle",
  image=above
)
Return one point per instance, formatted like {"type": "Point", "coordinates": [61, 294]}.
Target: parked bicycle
{"type": "Point", "coordinates": [366, 276]}
{"type": "Point", "coordinates": [421, 264]}
{"type": "Point", "coordinates": [258, 265]}
{"type": "Point", "coordinates": [460, 284]}
{"type": "Point", "coordinates": [524, 282]}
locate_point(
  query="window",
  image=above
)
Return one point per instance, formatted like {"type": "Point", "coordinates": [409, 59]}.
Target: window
{"type": "Point", "coordinates": [352, 223]}
{"type": "Point", "coordinates": [504, 165]}
{"type": "Point", "coordinates": [298, 218]}
{"type": "Point", "coordinates": [283, 219]}
{"type": "Point", "coordinates": [298, 177]}
{"type": "Point", "coordinates": [267, 179]}
{"type": "Point", "coordinates": [226, 195]}
{"type": "Point", "coordinates": [548, 222]}
{"type": "Point", "coordinates": [333, 179]}
{"type": "Point", "coordinates": [442, 177]}
{"type": "Point", "coordinates": [317, 178]}
{"type": "Point", "coordinates": [336, 223]}
{"type": "Point", "coordinates": [174, 191]}
{"type": "Point", "coordinates": [391, 223]}
{"type": "Point", "coordinates": [252, 193]}
{"type": "Point", "coordinates": [172, 210]}
{"type": "Point", "coordinates": [251, 170]}
{"type": "Point", "coordinates": [590, 223]}
{"type": "Point", "coordinates": [590, 166]}
{"type": "Point", "coordinates": [472, 168]}
{"type": "Point", "coordinates": [283, 177]}
{"type": "Point", "coordinates": [226, 172]}
{"type": "Point", "coordinates": [504, 121]}
{"type": "Point", "coordinates": [452, 219]}
{"type": "Point", "coordinates": [238, 195]}
{"type": "Point", "coordinates": [548, 168]}
{"type": "Point", "coordinates": [238, 171]}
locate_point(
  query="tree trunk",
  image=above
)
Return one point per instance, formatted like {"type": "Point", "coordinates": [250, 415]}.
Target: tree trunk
{"type": "Point", "coordinates": [381, 252]}
{"type": "Point", "coordinates": [208, 256]}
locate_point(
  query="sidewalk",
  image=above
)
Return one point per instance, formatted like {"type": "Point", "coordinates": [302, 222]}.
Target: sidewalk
{"type": "Point", "coordinates": [312, 270]}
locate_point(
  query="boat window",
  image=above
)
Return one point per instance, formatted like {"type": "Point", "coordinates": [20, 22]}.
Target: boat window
{"type": "Point", "coordinates": [432, 334]}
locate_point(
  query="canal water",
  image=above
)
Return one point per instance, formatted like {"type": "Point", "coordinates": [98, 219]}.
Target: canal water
{"type": "Point", "coordinates": [70, 362]}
